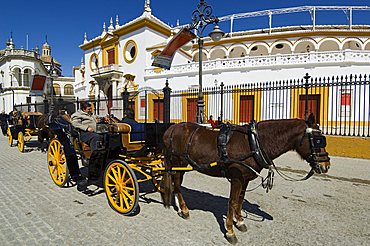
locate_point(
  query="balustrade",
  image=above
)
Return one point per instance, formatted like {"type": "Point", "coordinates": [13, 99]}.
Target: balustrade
{"type": "Point", "coordinates": [281, 60]}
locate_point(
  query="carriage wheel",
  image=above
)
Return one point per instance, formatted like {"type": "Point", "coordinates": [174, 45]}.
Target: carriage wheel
{"type": "Point", "coordinates": [121, 187]}
{"type": "Point", "coordinates": [157, 177]}
{"type": "Point", "coordinates": [57, 163]}
{"type": "Point", "coordinates": [20, 143]}
{"type": "Point", "coordinates": [10, 137]}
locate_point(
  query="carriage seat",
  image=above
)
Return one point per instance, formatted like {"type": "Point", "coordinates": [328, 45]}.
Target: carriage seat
{"type": "Point", "coordinates": [24, 114]}
{"type": "Point", "coordinates": [132, 136]}
{"type": "Point", "coordinates": [77, 143]}
{"type": "Point", "coordinates": [86, 150]}
{"type": "Point", "coordinates": [29, 119]}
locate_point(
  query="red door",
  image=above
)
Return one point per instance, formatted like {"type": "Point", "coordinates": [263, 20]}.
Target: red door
{"type": "Point", "coordinates": [313, 106]}
{"type": "Point", "coordinates": [191, 109]}
{"type": "Point", "coordinates": [246, 110]}
{"type": "Point", "coordinates": [111, 56]}
{"type": "Point", "coordinates": [110, 99]}
{"type": "Point", "coordinates": [158, 109]}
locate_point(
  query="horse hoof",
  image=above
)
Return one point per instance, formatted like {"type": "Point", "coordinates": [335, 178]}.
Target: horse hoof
{"type": "Point", "coordinates": [183, 215]}
{"type": "Point", "coordinates": [231, 239]}
{"type": "Point", "coordinates": [242, 227]}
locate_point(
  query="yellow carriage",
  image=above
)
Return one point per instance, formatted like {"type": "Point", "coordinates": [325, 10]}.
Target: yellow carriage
{"type": "Point", "coordinates": [132, 155]}
{"type": "Point", "coordinates": [23, 128]}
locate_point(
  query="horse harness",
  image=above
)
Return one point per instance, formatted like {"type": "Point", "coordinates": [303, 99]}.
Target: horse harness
{"type": "Point", "coordinates": [224, 136]}
{"type": "Point", "coordinates": [316, 140]}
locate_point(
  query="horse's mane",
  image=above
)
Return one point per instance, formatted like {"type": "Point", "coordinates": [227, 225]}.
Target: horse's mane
{"type": "Point", "coordinates": [280, 131]}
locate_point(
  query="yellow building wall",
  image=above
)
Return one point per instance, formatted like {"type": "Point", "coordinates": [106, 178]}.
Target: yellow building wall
{"type": "Point", "coordinates": [354, 147]}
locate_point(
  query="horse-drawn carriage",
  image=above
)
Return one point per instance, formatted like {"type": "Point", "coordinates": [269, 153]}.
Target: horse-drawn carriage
{"type": "Point", "coordinates": [236, 152]}
{"type": "Point", "coordinates": [22, 127]}
{"type": "Point", "coordinates": [128, 155]}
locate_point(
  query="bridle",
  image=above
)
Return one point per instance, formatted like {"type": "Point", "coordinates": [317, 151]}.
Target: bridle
{"type": "Point", "coordinates": [317, 141]}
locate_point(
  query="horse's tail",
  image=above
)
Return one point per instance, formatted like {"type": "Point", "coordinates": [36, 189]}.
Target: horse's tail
{"type": "Point", "coordinates": [166, 184]}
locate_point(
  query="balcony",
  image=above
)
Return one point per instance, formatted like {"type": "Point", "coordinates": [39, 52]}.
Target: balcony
{"type": "Point", "coordinates": [105, 76]}
{"type": "Point", "coordinates": [261, 62]}
{"type": "Point", "coordinates": [109, 71]}
{"type": "Point", "coordinates": [21, 52]}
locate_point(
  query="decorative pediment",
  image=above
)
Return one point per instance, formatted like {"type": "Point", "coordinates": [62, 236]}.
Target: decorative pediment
{"type": "Point", "coordinates": [129, 82]}
{"type": "Point", "coordinates": [108, 39]}
{"type": "Point", "coordinates": [156, 52]}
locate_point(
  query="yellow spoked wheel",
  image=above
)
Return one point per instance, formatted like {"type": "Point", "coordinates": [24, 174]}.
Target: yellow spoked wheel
{"type": "Point", "coordinates": [57, 163]}
{"type": "Point", "coordinates": [20, 142]}
{"type": "Point", "coordinates": [121, 187]}
{"type": "Point", "coordinates": [10, 137]}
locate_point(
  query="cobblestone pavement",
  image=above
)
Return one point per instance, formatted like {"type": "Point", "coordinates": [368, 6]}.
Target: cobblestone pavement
{"type": "Point", "coordinates": [333, 209]}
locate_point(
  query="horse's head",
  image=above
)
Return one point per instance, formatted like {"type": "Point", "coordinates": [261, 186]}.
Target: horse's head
{"type": "Point", "coordinates": [312, 147]}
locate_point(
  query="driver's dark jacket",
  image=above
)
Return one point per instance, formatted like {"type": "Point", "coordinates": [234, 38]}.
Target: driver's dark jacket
{"type": "Point", "coordinates": [83, 120]}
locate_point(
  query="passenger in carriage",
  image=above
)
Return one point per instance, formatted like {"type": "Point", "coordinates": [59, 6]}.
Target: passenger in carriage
{"type": "Point", "coordinates": [4, 122]}
{"type": "Point", "coordinates": [212, 122]}
{"type": "Point", "coordinates": [128, 116]}
{"type": "Point", "coordinates": [137, 129]}
{"type": "Point", "coordinates": [85, 122]}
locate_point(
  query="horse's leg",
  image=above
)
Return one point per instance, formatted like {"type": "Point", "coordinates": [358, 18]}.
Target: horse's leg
{"type": "Point", "coordinates": [238, 213]}
{"type": "Point", "coordinates": [182, 209]}
{"type": "Point", "coordinates": [235, 191]}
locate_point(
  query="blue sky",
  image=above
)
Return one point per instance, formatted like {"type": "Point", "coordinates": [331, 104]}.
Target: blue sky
{"type": "Point", "coordinates": [65, 22]}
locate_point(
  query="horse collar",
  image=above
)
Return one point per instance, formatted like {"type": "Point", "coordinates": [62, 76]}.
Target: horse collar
{"type": "Point", "coordinates": [259, 155]}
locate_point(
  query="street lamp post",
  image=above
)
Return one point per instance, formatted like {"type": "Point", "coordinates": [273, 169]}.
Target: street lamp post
{"type": "Point", "coordinates": [13, 98]}
{"type": "Point", "coordinates": [50, 75]}
{"type": "Point", "coordinates": [306, 85]}
{"type": "Point", "coordinates": [201, 18]}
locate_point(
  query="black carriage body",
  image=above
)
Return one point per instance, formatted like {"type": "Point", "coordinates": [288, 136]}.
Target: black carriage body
{"type": "Point", "coordinates": [154, 134]}
{"type": "Point", "coordinates": [22, 123]}
{"type": "Point", "coordinates": [15, 129]}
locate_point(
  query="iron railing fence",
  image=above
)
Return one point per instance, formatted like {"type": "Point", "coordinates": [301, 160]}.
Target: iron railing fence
{"type": "Point", "coordinates": [341, 104]}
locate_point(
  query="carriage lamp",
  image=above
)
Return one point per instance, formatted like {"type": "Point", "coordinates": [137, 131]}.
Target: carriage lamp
{"type": "Point", "coordinates": [201, 18]}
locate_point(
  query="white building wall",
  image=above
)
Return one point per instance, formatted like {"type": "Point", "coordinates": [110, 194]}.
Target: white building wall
{"type": "Point", "coordinates": [11, 85]}
{"type": "Point", "coordinates": [144, 38]}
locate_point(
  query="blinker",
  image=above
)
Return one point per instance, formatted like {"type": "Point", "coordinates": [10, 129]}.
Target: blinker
{"type": "Point", "coordinates": [319, 141]}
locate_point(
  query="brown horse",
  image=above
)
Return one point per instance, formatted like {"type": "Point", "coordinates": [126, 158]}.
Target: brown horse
{"type": "Point", "coordinates": [45, 133]}
{"type": "Point", "coordinates": [240, 158]}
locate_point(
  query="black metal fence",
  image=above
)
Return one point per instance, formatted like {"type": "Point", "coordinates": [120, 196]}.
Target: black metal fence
{"type": "Point", "coordinates": [341, 104]}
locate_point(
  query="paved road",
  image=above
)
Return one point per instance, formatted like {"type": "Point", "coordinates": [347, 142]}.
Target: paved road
{"type": "Point", "coordinates": [325, 210]}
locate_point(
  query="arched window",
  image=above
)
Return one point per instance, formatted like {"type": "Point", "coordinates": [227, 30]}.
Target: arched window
{"type": "Point", "coordinates": [56, 89]}
{"type": "Point", "coordinates": [94, 61]}
{"type": "Point", "coordinates": [329, 45]}
{"type": "Point", "coordinates": [26, 77]}
{"type": "Point", "coordinates": [237, 51]}
{"type": "Point", "coordinates": [68, 90]}
{"type": "Point", "coordinates": [218, 54]}
{"type": "Point", "coordinates": [17, 77]}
